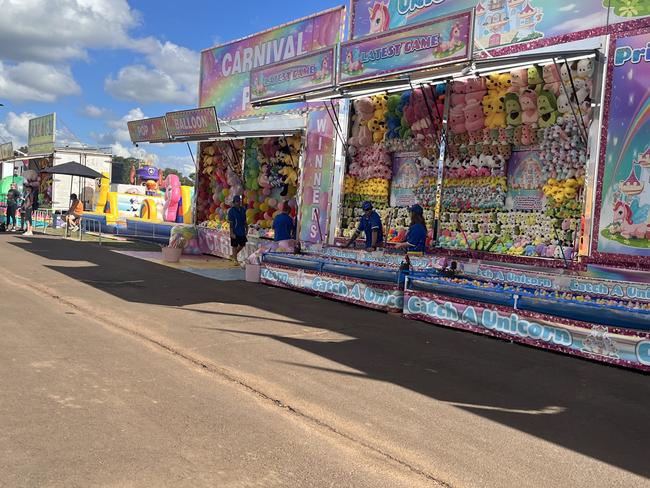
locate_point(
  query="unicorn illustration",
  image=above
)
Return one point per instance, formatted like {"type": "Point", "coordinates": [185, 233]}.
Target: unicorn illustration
{"type": "Point", "coordinates": [323, 73]}
{"type": "Point", "coordinates": [352, 65]}
{"type": "Point", "coordinates": [624, 225]}
{"type": "Point", "coordinates": [379, 17]}
{"type": "Point", "coordinates": [454, 41]}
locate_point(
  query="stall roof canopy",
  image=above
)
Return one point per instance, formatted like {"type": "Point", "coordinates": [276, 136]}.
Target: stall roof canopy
{"type": "Point", "coordinates": [72, 168]}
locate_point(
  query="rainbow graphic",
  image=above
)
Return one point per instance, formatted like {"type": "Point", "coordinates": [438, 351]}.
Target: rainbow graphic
{"type": "Point", "coordinates": [225, 69]}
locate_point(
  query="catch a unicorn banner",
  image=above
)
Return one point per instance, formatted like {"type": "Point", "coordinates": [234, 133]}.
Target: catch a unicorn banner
{"type": "Point", "coordinates": [297, 76]}
{"type": "Point", "coordinates": [425, 45]}
{"type": "Point", "coordinates": [499, 22]}
{"type": "Point", "coordinates": [225, 69]}
{"type": "Point", "coordinates": [625, 204]}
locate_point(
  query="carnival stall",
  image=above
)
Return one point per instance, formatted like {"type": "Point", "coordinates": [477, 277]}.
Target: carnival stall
{"type": "Point", "coordinates": [258, 154]}
{"type": "Point", "coordinates": [543, 183]}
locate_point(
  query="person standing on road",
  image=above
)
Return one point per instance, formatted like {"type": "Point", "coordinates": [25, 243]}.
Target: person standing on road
{"type": "Point", "coordinates": [284, 227]}
{"type": "Point", "coordinates": [370, 225]}
{"type": "Point", "coordinates": [13, 196]}
{"type": "Point", "coordinates": [29, 205]}
{"type": "Point", "coordinates": [238, 227]}
{"type": "Point", "coordinates": [416, 237]}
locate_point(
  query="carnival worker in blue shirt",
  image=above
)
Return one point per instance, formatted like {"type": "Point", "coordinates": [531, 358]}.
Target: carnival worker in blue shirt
{"type": "Point", "coordinates": [284, 228]}
{"type": "Point", "coordinates": [238, 227]}
{"type": "Point", "coordinates": [416, 237]}
{"type": "Point", "coordinates": [370, 225]}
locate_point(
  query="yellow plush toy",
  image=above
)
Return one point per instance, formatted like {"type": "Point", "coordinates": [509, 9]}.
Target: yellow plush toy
{"type": "Point", "coordinates": [290, 175]}
{"type": "Point", "coordinates": [378, 128]}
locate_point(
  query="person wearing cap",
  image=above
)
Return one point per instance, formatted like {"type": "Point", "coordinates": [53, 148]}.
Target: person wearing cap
{"type": "Point", "coordinates": [238, 227]}
{"type": "Point", "coordinates": [370, 225]}
{"type": "Point", "coordinates": [416, 237]}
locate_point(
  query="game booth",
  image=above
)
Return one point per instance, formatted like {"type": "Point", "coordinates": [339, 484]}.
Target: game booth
{"type": "Point", "coordinates": [523, 130]}
{"type": "Point", "coordinates": [258, 154]}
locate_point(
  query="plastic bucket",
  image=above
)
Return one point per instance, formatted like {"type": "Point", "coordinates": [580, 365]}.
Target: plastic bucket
{"type": "Point", "coordinates": [253, 272]}
{"type": "Point", "coordinates": [171, 254]}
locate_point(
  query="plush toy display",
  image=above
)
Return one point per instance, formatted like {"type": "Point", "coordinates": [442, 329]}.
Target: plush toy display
{"type": "Point", "coordinates": [411, 122]}
{"type": "Point", "coordinates": [269, 178]}
{"type": "Point", "coordinates": [544, 111]}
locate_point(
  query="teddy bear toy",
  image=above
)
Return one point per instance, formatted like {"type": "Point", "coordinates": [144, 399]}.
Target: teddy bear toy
{"type": "Point", "coordinates": [519, 79]}
{"type": "Point", "coordinates": [364, 112]}
{"type": "Point", "coordinates": [552, 80]}
{"type": "Point", "coordinates": [474, 117]}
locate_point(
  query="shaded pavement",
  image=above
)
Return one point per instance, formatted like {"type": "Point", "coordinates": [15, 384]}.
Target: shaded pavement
{"type": "Point", "coordinates": [448, 405]}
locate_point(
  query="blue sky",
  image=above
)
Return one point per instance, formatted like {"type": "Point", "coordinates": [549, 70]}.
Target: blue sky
{"type": "Point", "coordinates": [100, 63]}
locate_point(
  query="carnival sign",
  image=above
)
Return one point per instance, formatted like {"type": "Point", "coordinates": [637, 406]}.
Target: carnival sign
{"type": "Point", "coordinates": [381, 297]}
{"type": "Point", "coordinates": [598, 342]}
{"type": "Point", "coordinates": [215, 242]}
{"type": "Point", "coordinates": [225, 69]}
{"type": "Point", "coordinates": [420, 46]}
{"type": "Point", "coordinates": [6, 151]}
{"type": "Point", "coordinates": [317, 176]}
{"type": "Point", "coordinates": [191, 123]}
{"type": "Point", "coordinates": [297, 76]}
{"type": "Point", "coordinates": [624, 226]}
{"type": "Point", "coordinates": [148, 130]}
{"type": "Point", "coordinates": [41, 134]}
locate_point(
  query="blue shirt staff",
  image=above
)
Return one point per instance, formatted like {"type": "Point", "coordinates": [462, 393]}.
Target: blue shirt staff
{"type": "Point", "coordinates": [416, 237]}
{"type": "Point", "coordinates": [284, 227]}
{"type": "Point", "coordinates": [370, 225]}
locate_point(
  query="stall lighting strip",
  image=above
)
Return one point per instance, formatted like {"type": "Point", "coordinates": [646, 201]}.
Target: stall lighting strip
{"type": "Point", "coordinates": [493, 65]}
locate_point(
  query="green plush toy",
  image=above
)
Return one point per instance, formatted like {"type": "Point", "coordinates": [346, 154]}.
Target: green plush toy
{"type": "Point", "coordinates": [536, 78]}
{"type": "Point", "coordinates": [547, 109]}
{"type": "Point", "coordinates": [513, 110]}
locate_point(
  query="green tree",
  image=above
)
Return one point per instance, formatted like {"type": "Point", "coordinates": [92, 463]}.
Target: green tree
{"type": "Point", "coordinates": [185, 181]}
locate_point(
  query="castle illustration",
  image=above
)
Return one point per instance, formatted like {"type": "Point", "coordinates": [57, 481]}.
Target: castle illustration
{"type": "Point", "coordinates": [501, 22]}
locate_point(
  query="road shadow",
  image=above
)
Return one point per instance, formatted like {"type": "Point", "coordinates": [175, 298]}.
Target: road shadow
{"type": "Point", "coordinates": [594, 409]}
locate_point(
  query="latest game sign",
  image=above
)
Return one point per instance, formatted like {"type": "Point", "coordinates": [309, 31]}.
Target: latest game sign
{"type": "Point", "coordinates": [425, 45]}
{"type": "Point", "coordinates": [295, 77]}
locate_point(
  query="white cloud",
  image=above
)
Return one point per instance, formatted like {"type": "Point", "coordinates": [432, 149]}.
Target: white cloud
{"type": "Point", "coordinates": [37, 82]}
{"type": "Point", "coordinates": [184, 164]}
{"type": "Point", "coordinates": [15, 128]}
{"type": "Point", "coordinates": [61, 30]}
{"type": "Point", "coordinates": [94, 111]}
{"type": "Point", "coordinates": [171, 75]}
{"type": "Point", "coordinates": [580, 24]}
{"type": "Point", "coordinates": [39, 40]}
{"type": "Point", "coordinates": [567, 8]}
{"type": "Point", "coordinates": [119, 149]}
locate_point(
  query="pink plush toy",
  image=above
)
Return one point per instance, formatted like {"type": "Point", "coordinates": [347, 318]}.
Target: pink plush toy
{"type": "Point", "coordinates": [476, 90]}
{"type": "Point", "coordinates": [474, 118]}
{"type": "Point", "coordinates": [528, 102]}
{"type": "Point", "coordinates": [519, 80]}
{"type": "Point", "coordinates": [458, 92]}
{"type": "Point", "coordinates": [552, 79]}
{"type": "Point", "coordinates": [457, 120]}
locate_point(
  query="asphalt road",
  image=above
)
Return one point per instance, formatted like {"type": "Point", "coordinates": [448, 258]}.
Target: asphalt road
{"type": "Point", "coordinates": [120, 372]}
